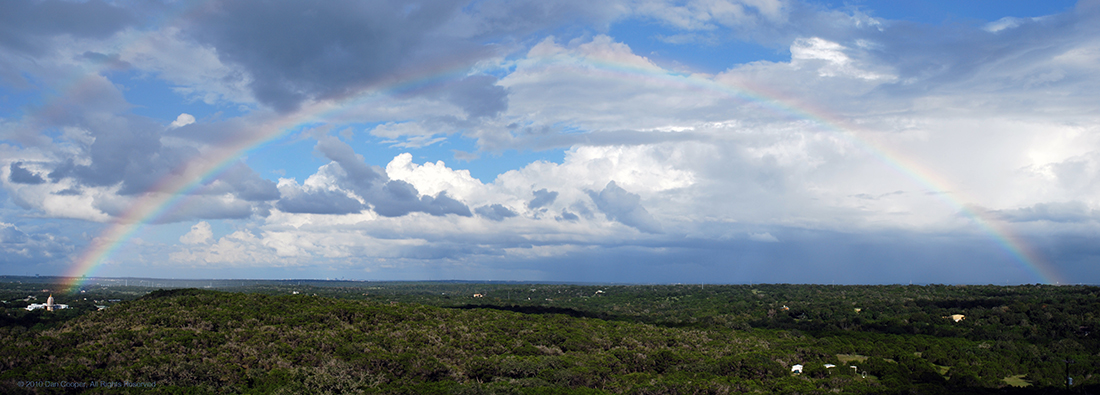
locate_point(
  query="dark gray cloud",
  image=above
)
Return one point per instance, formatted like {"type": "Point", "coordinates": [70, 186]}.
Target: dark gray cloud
{"type": "Point", "coordinates": [567, 216]}
{"type": "Point", "coordinates": [194, 207]}
{"type": "Point", "coordinates": [399, 198]}
{"type": "Point", "coordinates": [10, 235]}
{"type": "Point", "coordinates": [495, 212]}
{"type": "Point", "coordinates": [517, 18]}
{"type": "Point", "coordinates": [248, 185]}
{"type": "Point", "coordinates": [23, 176]}
{"type": "Point", "coordinates": [542, 198]}
{"type": "Point", "coordinates": [302, 50]}
{"type": "Point", "coordinates": [19, 247]}
{"type": "Point", "coordinates": [620, 205]}
{"type": "Point", "coordinates": [126, 150]}
{"type": "Point", "coordinates": [202, 207]}
{"type": "Point", "coordinates": [809, 256]}
{"type": "Point", "coordinates": [25, 24]}
{"type": "Point", "coordinates": [479, 96]}
{"type": "Point", "coordinates": [1065, 212]}
{"type": "Point", "coordinates": [358, 172]}
{"type": "Point", "coordinates": [319, 202]}
{"type": "Point", "coordinates": [298, 51]}
{"type": "Point", "coordinates": [389, 198]}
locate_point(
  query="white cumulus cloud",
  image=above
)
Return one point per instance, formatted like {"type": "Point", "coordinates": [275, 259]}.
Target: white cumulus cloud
{"type": "Point", "coordinates": [200, 233]}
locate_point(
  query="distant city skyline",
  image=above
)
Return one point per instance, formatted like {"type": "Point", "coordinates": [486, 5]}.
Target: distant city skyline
{"type": "Point", "coordinates": [733, 141]}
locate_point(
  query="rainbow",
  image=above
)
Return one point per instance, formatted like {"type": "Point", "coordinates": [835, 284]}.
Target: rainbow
{"type": "Point", "coordinates": [173, 190]}
{"type": "Point", "coordinates": [1015, 246]}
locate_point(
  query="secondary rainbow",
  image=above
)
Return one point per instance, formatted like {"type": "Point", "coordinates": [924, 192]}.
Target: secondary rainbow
{"type": "Point", "coordinates": [172, 191]}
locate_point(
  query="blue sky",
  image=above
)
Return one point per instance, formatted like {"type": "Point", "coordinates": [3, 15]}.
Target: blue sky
{"type": "Point", "coordinates": [728, 141]}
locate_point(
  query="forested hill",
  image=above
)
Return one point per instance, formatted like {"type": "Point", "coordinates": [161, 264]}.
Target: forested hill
{"type": "Point", "coordinates": [195, 341]}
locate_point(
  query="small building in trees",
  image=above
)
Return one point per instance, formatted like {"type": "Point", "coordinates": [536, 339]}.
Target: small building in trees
{"type": "Point", "coordinates": [49, 305]}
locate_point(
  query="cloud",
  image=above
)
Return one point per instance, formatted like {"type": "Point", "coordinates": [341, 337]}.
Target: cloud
{"type": "Point", "coordinates": [29, 24]}
{"type": "Point", "coordinates": [200, 234]}
{"type": "Point", "coordinates": [708, 15]}
{"type": "Point", "coordinates": [182, 120]}
{"type": "Point", "coordinates": [567, 216]}
{"type": "Point", "coordinates": [465, 156]}
{"type": "Point", "coordinates": [19, 248]}
{"type": "Point", "coordinates": [194, 207]}
{"type": "Point", "coordinates": [542, 198]}
{"type": "Point", "coordinates": [296, 52]}
{"type": "Point", "coordinates": [296, 200]}
{"type": "Point", "coordinates": [495, 212]}
{"type": "Point", "coordinates": [763, 237]}
{"type": "Point", "coordinates": [432, 178]}
{"type": "Point", "coordinates": [112, 61]}
{"type": "Point", "coordinates": [625, 207]}
{"type": "Point", "coordinates": [23, 176]}
{"type": "Point", "coordinates": [240, 248]}
{"type": "Point", "coordinates": [1063, 212]}
{"type": "Point", "coordinates": [358, 173]}
{"type": "Point", "coordinates": [834, 61]}
{"type": "Point", "coordinates": [479, 96]}
{"type": "Point", "coordinates": [124, 150]}
{"type": "Point", "coordinates": [246, 184]}
{"type": "Point", "coordinates": [398, 198]}
{"type": "Point", "coordinates": [999, 115]}
{"type": "Point", "coordinates": [387, 197]}
{"type": "Point", "coordinates": [10, 235]}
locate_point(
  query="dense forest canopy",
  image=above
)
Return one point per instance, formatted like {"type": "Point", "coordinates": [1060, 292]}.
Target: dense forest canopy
{"type": "Point", "coordinates": [437, 337]}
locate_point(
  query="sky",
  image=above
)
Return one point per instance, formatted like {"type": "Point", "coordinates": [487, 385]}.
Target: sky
{"type": "Point", "coordinates": [625, 141]}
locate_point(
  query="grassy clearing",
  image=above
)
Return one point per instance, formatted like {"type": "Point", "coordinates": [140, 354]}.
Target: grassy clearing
{"type": "Point", "coordinates": [845, 358]}
{"type": "Point", "coordinates": [942, 369]}
{"type": "Point", "coordinates": [1017, 381]}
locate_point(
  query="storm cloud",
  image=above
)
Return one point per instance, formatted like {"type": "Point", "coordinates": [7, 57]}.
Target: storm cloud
{"type": "Point", "coordinates": [21, 175]}
{"type": "Point", "coordinates": [620, 205]}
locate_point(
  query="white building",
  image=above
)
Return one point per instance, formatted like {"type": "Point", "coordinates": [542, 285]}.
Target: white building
{"type": "Point", "coordinates": [796, 369]}
{"type": "Point", "coordinates": [49, 305]}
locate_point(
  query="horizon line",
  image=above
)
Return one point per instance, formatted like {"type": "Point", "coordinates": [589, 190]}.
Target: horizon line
{"type": "Point", "coordinates": [559, 282]}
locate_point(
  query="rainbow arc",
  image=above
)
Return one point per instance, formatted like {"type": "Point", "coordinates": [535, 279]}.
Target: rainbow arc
{"type": "Point", "coordinates": [173, 191]}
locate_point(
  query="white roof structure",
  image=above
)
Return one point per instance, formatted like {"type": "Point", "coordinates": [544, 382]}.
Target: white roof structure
{"type": "Point", "coordinates": [36, 306]}
{"type": "Point", "coordinates": [49, 305]}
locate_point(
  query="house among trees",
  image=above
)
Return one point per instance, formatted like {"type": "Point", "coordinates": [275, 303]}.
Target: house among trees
{"type": "Point", "coordinates": [956, 317]}
{"type": "Point", "coordinates": [796, 369]}
{"type": "Point", "coordinates": [49, 305]}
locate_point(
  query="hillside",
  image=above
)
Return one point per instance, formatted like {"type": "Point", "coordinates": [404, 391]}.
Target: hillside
{"type": "Point", "coordinates": [216, 342]}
